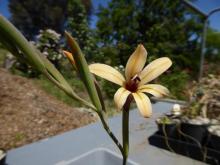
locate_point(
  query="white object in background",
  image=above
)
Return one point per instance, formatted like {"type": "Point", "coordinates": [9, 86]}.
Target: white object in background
{"type": "Point", "coordinates": [176, 111]}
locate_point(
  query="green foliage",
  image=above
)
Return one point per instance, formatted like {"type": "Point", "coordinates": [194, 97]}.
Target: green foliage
{"type": "Point", "coordinates": [30, 16]}
{"type": "Point", "coordinates": [109, 88]}
{"type": "Point", "coordinates": [116, 28]}
{"type": "Point", "coordinates": [19, 136]}
{"type": "Point", "coordinates": [3, 53]}
{"type": "Point", "coordinates": [78, 26]}
{"type": "Point", "coordinates": [164, 27]}
{"type": "Point", "coordinates": [213, 45]}
{"type": "Point", "coordinates": [105, 53]}
{"type": "Point", "coordinates": [164, 120]}
{"type": "Point", "coordinates": [59, 94]}
{"type": "Point", "coordinates": [77, 23]}
{"type": "Point", "coordinates": [194, 110]}
{"type": "Point", "coordinates": [176, 82]}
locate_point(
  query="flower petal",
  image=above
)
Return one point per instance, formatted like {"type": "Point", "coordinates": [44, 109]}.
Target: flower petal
{"type": "Point", "coordinates": [143, 104]}
{"type": "Point", "coordinates": [69, 56]}
{"type": "Point", "coordinates": [120, 97]}
{"type": "Point", "coordinates": [136, 62]}
{"type": "Point", "coordinates": [107, 72]}
{"type": "Point", "coordinates": [154, 89]}
{"type": "Point", "coordinates": [154, 69]}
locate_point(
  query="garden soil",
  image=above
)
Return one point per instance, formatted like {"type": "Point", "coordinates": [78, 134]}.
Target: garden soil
{"type": "Point", "coordinates": [28, 114]}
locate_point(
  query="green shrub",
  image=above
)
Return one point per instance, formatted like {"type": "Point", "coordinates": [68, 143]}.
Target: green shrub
{"type": "Point", "coordinates": [109, 88]}
{"type": "Point", "coordinates": [48, 42]}
{"type": "Point", "coordinates": [176, 82]}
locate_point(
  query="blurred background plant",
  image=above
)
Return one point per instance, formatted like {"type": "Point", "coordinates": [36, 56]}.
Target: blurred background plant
{"type": "Point", "coordinates": [213, 45]}
{"type": "Point", "coordinates": [178, 83]}
{"type": "Point", "coordinates": [48, 43]}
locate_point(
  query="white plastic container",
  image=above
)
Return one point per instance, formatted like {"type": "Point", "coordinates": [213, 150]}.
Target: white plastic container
{"type": "Point", "coordinates": [98, 156]}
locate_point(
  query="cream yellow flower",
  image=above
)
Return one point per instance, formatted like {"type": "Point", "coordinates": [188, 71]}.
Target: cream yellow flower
{"type": "Point", "coordinates": [136, 79]}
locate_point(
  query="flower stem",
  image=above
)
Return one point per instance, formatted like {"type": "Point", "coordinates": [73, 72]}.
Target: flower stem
{"type": "Point", "coordinates": [125, 134]}
{"type": "Point", "coordinates": [125, 129]}
{"type": "Point", "coordinates": [110, 133]}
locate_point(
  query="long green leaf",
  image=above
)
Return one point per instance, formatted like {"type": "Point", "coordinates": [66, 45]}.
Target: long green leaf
{"type": "Point", "coordinates": [11, 33]}
{"type": "Point", "coordinates": [84, 71]}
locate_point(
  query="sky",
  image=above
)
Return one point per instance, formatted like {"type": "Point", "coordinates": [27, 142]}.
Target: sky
{"type": "Point", "coordinates": [203, 5]}
{"type": "Point", "coordinates": [208, 5]}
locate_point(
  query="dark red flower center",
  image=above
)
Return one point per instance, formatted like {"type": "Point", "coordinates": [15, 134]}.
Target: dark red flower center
{"type": "Point", "coordinates": [132, 85]}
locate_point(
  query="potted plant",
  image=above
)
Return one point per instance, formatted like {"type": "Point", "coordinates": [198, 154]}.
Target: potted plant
{"type": "Point", "coordinates": [203, 107]}
{"type": "Point", "coordinates": [167, 126]}
{"type": "Point", "coordinates": [194, 123]}
{"type": "Point", "coordinates": [199, 126]}
{"type": "Point", "coordinates": [193, 126]}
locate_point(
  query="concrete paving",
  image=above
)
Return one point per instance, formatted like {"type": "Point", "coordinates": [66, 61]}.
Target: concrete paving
{"type": "Point", "coordinates": [67, 146]}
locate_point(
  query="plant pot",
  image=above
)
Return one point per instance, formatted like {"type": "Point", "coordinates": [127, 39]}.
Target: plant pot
{"type": "Point", "coordinates": [214, 137]}
{"type": "Point", "coordinates": [214, 142]}
{"type": "Point", "coordinates": [2, 157]}
{"type": "Point", "coordinates": [194, 133]}
{"type": "Point", "coordinates": [169, 130]}
{"type": "Point", "coordinates": [191, 150]}
{"type": "Point", "coordinates": [98, 156]}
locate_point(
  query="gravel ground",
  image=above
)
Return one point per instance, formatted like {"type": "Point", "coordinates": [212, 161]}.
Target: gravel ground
{"type": "Point", "coordinates": [28, 114]}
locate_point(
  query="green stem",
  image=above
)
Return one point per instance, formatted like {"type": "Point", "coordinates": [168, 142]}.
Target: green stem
{"type": "Point", "coordinates": [110, 133]}
{"type": "Point", "coordinates": [125, 129]}
{"type": "Point", "coordinates": [125, 134]}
